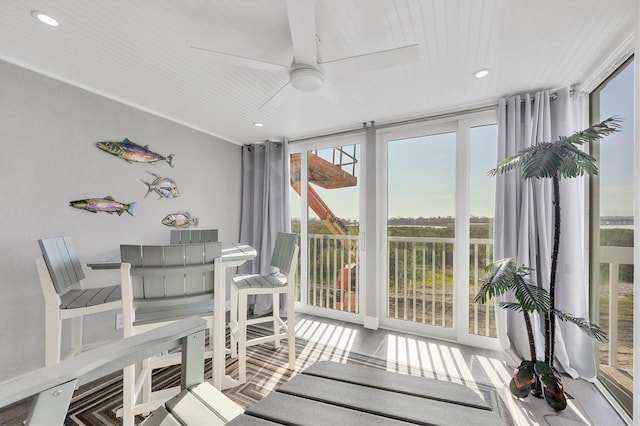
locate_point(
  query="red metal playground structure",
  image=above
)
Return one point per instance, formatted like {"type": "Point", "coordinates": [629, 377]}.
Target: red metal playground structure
{"type": "Point", "coordinates": [337, 173]}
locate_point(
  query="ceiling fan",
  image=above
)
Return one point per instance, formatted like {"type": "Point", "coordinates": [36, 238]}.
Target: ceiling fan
{"type": "Point", "coordinates": [305, 72]}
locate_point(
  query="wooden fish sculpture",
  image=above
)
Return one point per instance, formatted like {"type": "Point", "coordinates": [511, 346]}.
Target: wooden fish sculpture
{"type": "Point", "coordinates": [165, 187]}
{"type": "Point", "coordinates": [132, 152]}
{"type": "Point", "coordinates": [180, 220]}
{"type": "Point", "coordinates": [106, 204]}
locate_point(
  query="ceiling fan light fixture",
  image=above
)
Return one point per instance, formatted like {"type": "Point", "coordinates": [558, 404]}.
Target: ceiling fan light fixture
{"type": "Point", "coordinates": [307, 79]}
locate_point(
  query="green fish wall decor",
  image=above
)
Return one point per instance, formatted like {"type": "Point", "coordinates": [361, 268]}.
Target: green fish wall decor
{"type": "Point", "coordinates": [106, 204]}
{"type": "Point", "coordinates": [132, 152]}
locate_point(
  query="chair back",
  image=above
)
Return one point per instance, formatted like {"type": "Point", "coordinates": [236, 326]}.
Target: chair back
{"type": "Point", "coordinates": [285, 252]}
{"type": "Point", "coordinates": [177, 273]}
{"type": "Point", "coordinates": [188, 236]}
{"type": "Point", "coordinates": [62, 262]}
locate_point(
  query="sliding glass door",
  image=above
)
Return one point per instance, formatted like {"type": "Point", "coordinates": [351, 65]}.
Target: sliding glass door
{"type": "Point", "coordinates": [325, 193]}
{"type": "Point", "coordinates": [612, 235]}
{"type": "Point", "coordinates": [438, 228]}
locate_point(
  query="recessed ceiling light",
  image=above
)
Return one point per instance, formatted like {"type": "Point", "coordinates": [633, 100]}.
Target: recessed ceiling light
{"type": "Point", "coordinates": [45, 19]}
{"type": "Point", "coordinates": [258, 124]}
{"type": "Point", "coordinates": [481, 73]}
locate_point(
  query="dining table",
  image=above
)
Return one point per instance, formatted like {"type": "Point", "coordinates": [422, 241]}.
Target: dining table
{"type": "Point", "coordinates": [233, 255]}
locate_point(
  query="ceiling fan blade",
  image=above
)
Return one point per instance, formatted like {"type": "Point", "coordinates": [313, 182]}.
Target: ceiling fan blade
{"type": "Point", "coordinates": [302, 24]}
{"type": "Point", "coordinates": [241, 61]}
{"type": "Point", "coordinates": [372, 61]}
{"type": "Point", "coordinates": [334, 94]}
{"type": "Point", "coordinates": [278, 98]}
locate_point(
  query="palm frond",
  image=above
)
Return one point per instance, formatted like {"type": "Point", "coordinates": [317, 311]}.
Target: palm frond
{"type": "Point", "coordinates": [561, 158]}
{"type": "Point", "coordinates": [531, 297]}
{"type": "Point", "coordinates": [497, 281]}
{"type": "Point", "coordinates": [576, 163]}
{"type": "Point", "coordinates": [542, 162]}
{"type": "Point", "coordinates": [595, 132]}
{"type": "Point", "coordinates": [506, 165]}
{"type": "Point", "coordinates": [583, 324]}
{"type": "Point", "coordinates": [523, 271]}
{"type": "Point", "coordinates": [514, 306]}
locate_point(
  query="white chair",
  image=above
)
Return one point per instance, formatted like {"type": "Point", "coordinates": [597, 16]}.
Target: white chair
{"type": "Point", "coordinates": [62, 281]}
{"type": "Point", "coordinates": [162, 284]}
{"type": "Point", "coordinates": [285, 260]}
{"type": "Point", "coordinates": [188, 236]}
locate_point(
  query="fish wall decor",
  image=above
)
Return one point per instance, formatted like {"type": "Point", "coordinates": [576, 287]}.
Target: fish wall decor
{"type": "Point", "coordinates": [132, 152]}
{"type": "Point", "coordinates": [106, 204]}
{"type": "Point", "coordinates": [180, 220]}
{"type": "Point", "coordinates": [164, 186]}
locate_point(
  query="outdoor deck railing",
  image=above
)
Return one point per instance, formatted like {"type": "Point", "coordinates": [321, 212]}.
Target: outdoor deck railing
{"type": "Point", "coordinates": [614, 257]}
{"type": "Point", "coordinates": [420, 282]}
{"type": "Point", "coordinates": [420, 278]}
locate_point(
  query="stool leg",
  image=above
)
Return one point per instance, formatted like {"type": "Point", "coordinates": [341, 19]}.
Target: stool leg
{"type": "Point", "coordinates": [276, 317]}
{"type": "Point", "coordinates": [291, 329]}
{"type": "Point", "coordinates": [53, 331]}
{"type": "Point", "coordinates": [242, 336]}
{"type": "Point", "coordinates": [146, 386]}
{"type": "Point", "coordinates": [233, 320]}
{"type": "Point", "coordinates": [128, 394]}
{"type": "Point", "coordinates": [76, 335]}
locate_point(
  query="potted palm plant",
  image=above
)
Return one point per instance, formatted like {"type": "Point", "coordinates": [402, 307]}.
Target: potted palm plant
{"type": "Point", "coordinates": [555, 161]}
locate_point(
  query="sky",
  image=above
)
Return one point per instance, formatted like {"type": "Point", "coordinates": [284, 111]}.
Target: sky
{"type": "Point", "coordinates": [421, 170]}
{"type": "Point", "coordinates": [412, 165]}
{"type": "Point", "coordinates": [616, 165]}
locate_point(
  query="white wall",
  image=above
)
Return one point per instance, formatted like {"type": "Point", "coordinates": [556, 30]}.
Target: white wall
{"type": "Point", "coordinates": [48, 157]}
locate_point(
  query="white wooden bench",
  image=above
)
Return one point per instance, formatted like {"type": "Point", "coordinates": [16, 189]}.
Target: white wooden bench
{"type": "Point", "coordinates": [348, 394]}
{"type": "Point", "coordinates": [337, 394]}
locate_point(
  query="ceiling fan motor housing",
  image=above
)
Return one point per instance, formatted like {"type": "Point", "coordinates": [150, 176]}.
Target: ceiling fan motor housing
{"type": "Point", "coordinates": [306, 77]}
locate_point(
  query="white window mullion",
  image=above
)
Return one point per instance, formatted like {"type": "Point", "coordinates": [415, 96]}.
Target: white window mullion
{"type": "Point", "coordinates": [461, 253]}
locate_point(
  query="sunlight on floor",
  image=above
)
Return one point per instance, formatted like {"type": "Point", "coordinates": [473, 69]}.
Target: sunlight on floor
{"type": "Point", "coordinates": [421, 356]}
{"type": "Point", "coordinates": [442, 361]}
{"type": "Point", "coordinates": [336, 341]}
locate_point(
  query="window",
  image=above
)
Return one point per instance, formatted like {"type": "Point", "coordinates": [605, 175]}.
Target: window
{"type": "Point", "coordinates": [437, 205]}
{"type": "Point", "coordinates": [612, 238]}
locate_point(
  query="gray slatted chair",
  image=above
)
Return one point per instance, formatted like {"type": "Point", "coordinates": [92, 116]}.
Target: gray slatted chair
{"type": "Point", "coordinates": [285, 259]}
{"type": "Point", "coordinates": [162, 284]}
{"type": "Point", "coordinates": [62, 281]}
{"type": "Point", "coordinates": [188, 236]}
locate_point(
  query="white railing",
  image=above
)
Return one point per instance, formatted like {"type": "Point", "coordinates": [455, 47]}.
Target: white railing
{"type": "Point", "coordinates": [420, 281]}
{"type": "Point", "coordinates": [614, 257]}
{"type": "Point", "coordinates": [333, 272]}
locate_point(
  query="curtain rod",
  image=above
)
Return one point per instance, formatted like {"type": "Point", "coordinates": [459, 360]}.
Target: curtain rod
{"type": "Point", "coordinates": [553, 96]}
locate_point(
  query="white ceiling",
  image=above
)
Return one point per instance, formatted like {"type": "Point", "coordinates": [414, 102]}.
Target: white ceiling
{"type": "Point", "coordinates": [140, 52]}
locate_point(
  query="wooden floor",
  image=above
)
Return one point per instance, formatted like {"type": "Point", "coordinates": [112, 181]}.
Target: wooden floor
{"type": "Point", "coordinates": [586, 404]}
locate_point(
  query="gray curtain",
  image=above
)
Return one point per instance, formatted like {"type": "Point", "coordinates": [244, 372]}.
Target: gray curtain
{"type": "Point", "coordinates": [265, 207]}
{"type": "Point", "coordinates": [524, 226]}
